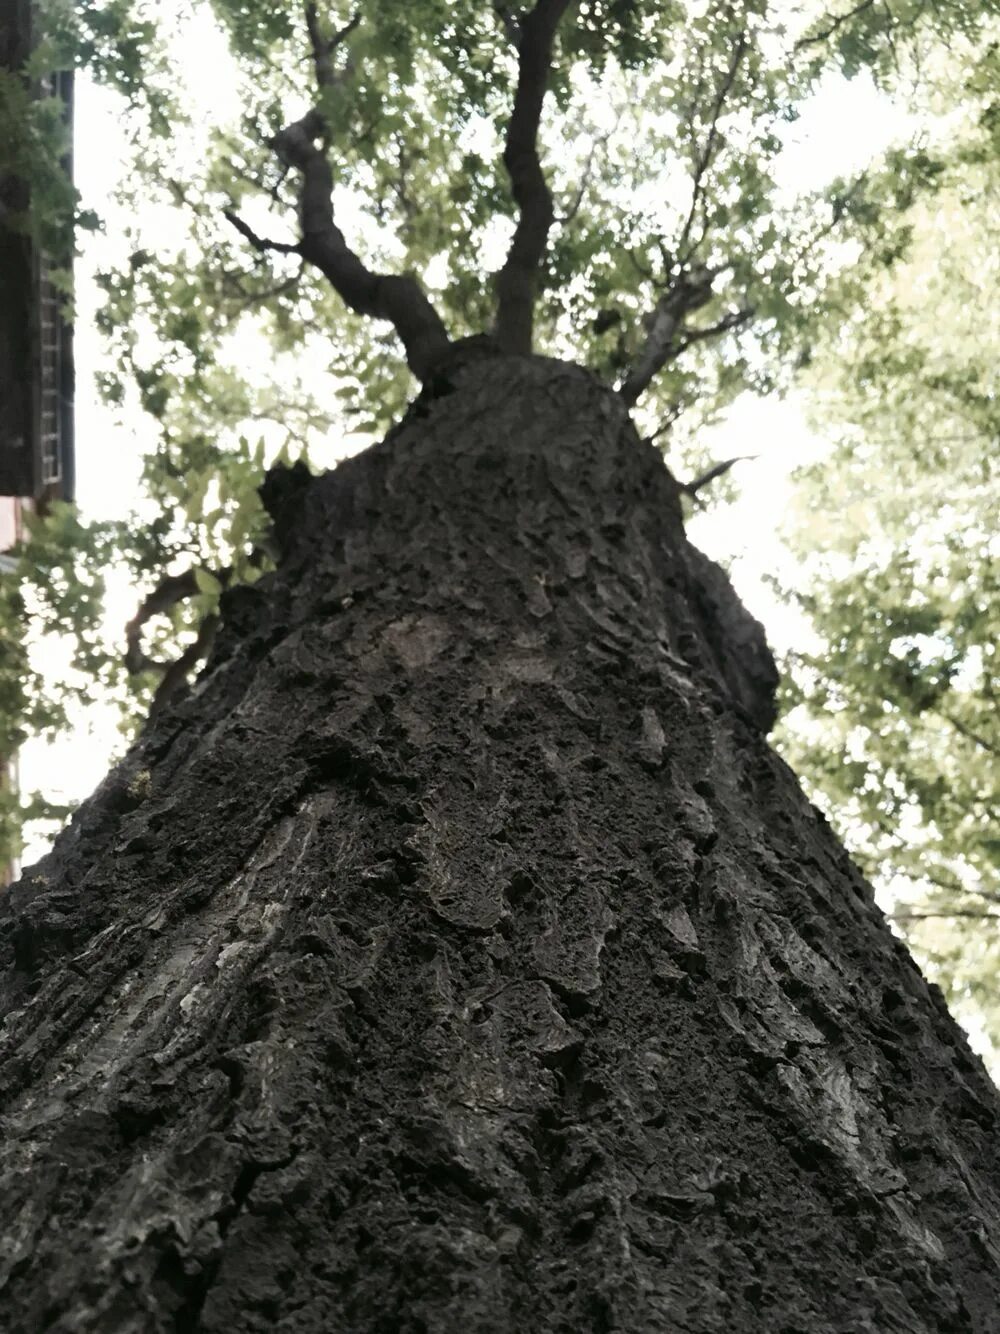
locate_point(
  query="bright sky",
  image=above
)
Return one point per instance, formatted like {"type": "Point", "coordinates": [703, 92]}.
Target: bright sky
{"type": "Point", "coordinates": [843, 128]}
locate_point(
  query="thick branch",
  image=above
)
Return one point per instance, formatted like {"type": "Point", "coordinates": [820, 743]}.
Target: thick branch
{"type": "Point", "coordinates": [177, 672]}
{"type": "Point", "coordinates": [396, 298]}
{"type": "Point", "coordinates": [517, 281]}
{"type": "Point", "coordinates": [169, 591]}
{"type": "Point", "coordinates": [324, 47]}
{"type": "Point", "coordinates": [663, 330]}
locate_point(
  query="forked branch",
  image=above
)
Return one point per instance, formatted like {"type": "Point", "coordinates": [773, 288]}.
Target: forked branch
{"type": "Point", "coordinates": [302, 146]}
{"type": "Point", "coordinates": [665, 330]}
{"type": "Point", "coordinates": [517, 281]}
{"type": "Point", "coordinates": [687, 285]}
{"type": "Point", "coordinates": [324, 47]}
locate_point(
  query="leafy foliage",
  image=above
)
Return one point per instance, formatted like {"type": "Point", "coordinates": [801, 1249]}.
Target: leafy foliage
{"type": "Point", "coordinates": [894, 717]}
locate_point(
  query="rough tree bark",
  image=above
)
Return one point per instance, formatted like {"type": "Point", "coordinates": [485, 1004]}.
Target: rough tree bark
{"type": "Point", "coordinates": [458, 957]}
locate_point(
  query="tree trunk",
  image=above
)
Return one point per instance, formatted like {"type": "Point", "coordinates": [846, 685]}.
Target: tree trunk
{"type": "Point", "coordinates": [457, 957]}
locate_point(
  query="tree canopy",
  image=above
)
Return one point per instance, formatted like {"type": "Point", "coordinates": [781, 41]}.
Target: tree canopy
{"type": "Point", "coordinates": [598, 180]}
{"type": "Point", "coordinates": [896, 715]}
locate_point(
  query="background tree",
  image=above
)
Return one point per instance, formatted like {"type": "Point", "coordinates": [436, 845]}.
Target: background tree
{"type": "Point", "coordinates": [895, 714]}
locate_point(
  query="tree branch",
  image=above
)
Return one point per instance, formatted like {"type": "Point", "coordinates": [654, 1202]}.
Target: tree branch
{"type": "Point", "coordinates": [688, 292]}
{"type": "Point", "coordinates": [510, 21]}
{"type": "Point", "coordinates": [586, 175]}
{"type": "Point", "coordinates": [691, 287]}
{"type": "Point", "coordinates": [734, 320]}
{"type": "Point", "coordinates": [955, 912]}
{"type": "Point", "coordinates": [707, 154]}
{"type": "Point", "coordinates": [949, 884]}
{"type": "Point", "coordinates": [232, 286]}
{"type": "Point", "coordinates": [969, 733]}
{"type": "Point", "coordinates": [324, 47]}
{"type": "Point", "coordinates": [517, 281]}
{"type": "Point", "coordinates": [169, 591]}
{"type": "Point", "coordinates": [835, 25]}
{"type": "Point", "coordinates": [397, 298]}
{"type": "Point", "coordinates": [666, 425]}
{"type": "Point", "coordinates": [177, 672]}
{"type": "Point", "coordinates": [717, 470]}
{"type": "Point", "coordinates": [261, 244]}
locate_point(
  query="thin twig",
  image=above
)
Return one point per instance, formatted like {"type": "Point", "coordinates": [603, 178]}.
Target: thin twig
{"type": "Point", "coordinates": [261, 244]}
{"type": "Point", "coordinates": [245, 298]}
{"type": "Point", "coordinates": [950, 885]}
{"type": "Point", "coordinates": [969, 733]}
{"type": "Point", "coordinates": [640, 269]}
{"type": "Point", "coordinates": [669, 421]}
{"type": "Point", "coordinates": [717, 470]}
{"type": "Point", "coordinates": [708, 150]}
{"type": "Point", "coordinates": [734, 320]}
{"type": "Point", "coordinates": [839, 208]}
{"type": "Point", "coordinates": [955, 912]}
{"type": "Point", "coordinates": [687, 287]}
{"type": "Point", "coordinates": [586, 176]}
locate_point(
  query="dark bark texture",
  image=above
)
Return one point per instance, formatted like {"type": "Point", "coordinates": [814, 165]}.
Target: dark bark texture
{"type": "Point", "coordinates": [457, 958]}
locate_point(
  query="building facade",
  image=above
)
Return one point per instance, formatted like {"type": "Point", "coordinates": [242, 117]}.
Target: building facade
{"type": "Point", "coordinates": [36, 343]}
